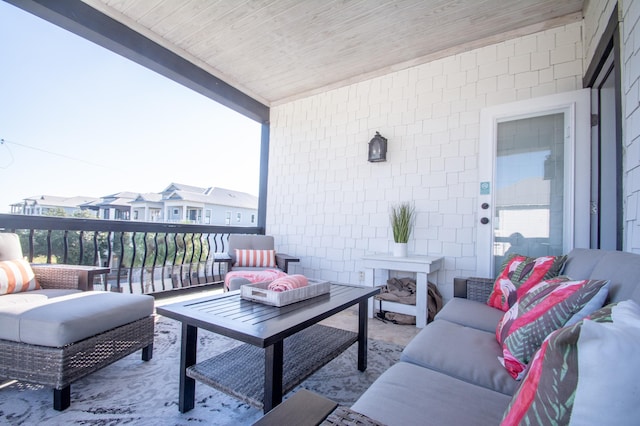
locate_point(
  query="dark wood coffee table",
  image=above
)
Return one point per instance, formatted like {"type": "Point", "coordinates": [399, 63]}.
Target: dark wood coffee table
{"type": "Point", "coordinates": [262, 326]}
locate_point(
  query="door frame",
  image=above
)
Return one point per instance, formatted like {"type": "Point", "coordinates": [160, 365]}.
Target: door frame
{"type": "Point", "coordinates": [608, 45]}
{"type": "Point", "coordinates": [577, 106]}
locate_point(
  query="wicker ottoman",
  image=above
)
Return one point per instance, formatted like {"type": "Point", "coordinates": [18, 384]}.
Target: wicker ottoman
{"type": "Point", "coordinates": [58, 338]}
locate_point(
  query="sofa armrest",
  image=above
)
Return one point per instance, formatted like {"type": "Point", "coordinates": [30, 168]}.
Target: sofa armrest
{"type": "Point", "coordinates": [223, 258]}
{"type": "Point", "coordinates": [283, 260]}
{"type": "Point", "coordinates": [59, 276]}
{"type": "Point", "coordinates": [473, 288]}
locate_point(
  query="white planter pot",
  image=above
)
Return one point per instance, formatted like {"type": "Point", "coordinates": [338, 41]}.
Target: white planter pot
{"type": "Point", "coordinates": [400, 249]}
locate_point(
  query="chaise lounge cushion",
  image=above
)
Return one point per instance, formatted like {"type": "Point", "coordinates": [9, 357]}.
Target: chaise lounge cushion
{"type": "Point", "coordinates": [407, 394]}
{"type": "Point", "coordinates": [62, 320]}
{"type": "Point", "coordinates": [445, 347]}
{"type": "Point", "coordinates": [35, 297]}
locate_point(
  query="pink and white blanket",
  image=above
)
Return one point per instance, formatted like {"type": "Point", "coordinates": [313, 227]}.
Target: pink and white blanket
{"type": "Point", "coordinates": [290, 282]}
{"type": "Point", "coordinates": [254, 276]}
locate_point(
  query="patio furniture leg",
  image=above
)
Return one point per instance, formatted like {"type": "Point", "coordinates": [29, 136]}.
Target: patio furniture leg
{"type": "Point", "coordinates": [362, 334]}
{"type": "Point", "coordinates": [62, 398]}
{"type": "Point", "coordinates": [187, 359]}
{"type": "Point", "coordinates": [147, 353]}
{"type": "Point", "coordinates": [273, 368]}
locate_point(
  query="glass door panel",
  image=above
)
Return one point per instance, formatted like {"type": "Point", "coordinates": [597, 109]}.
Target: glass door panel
{"type": "Point", "coordinates": [530, 176]}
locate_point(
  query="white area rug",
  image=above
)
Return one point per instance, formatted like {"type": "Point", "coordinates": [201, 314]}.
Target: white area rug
{"type": "Point", "coordinates": [133, 392]}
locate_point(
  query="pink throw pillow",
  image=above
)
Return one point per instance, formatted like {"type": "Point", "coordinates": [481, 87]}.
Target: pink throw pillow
{"type": "Point", "coordinates": [518, 275]}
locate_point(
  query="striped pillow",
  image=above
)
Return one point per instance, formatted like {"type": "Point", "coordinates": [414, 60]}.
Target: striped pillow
{"type": "Point", "coordinates": [256, 258]}
{"type": "Point", "coordinates": [17, 276]}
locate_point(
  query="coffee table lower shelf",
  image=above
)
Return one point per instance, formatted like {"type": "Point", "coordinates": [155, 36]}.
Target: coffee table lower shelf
{"type": "Point", "coordinates": [240, 371]}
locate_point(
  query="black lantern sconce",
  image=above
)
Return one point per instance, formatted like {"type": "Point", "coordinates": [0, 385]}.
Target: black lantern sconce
{"type": "Point", "coordinates": [378, 148]}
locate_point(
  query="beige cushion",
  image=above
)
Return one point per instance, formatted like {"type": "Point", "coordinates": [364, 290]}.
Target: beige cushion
{"type": "Point", "coordinates": [10, 248]}
{"type": "Point", "coordinates": [64, 319]}
{"type": "Point", "coordinates": [34, 297]}
{"type": "Point", "coordinates": [13, 305]}
{"type": "Point", "coordinates": [249, 241]}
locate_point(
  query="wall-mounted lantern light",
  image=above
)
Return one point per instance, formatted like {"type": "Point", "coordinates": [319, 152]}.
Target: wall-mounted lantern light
{"type": "Point", "coordinates": [378, 148]}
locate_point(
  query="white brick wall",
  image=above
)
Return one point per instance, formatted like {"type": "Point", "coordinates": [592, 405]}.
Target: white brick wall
{"type": "Point", "coordinates": [596, 15]}
{"type": "Point", "coordinates": [329, 206]}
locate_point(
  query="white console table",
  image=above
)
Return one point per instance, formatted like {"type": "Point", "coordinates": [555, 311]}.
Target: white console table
{"type": "Point", "coordinates": [421, 265]}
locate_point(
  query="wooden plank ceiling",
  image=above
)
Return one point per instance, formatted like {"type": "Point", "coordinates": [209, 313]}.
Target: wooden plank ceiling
{"type": "Point", "coordinates": [279, 50]}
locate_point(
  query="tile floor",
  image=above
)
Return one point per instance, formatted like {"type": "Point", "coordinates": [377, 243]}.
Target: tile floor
{"type": "Point", "coordinates": [378, 330]}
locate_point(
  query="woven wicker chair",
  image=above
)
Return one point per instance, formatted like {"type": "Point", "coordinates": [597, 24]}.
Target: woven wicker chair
{"type": "Point", "coordinates": [58, 367]}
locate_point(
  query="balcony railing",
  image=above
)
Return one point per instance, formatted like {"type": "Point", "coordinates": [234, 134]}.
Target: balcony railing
{"type": "Point", "coordinates": [144, 257]}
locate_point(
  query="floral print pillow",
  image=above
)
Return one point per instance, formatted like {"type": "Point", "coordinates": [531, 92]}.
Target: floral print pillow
{"type": "Point", "coordinates": [587, 373]}
{"type": "Point", "coordinates": [543, 309]}
{"type": "Point", "coordinates": [519, 273]}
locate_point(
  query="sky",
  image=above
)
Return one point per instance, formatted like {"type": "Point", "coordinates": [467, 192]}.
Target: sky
{"type": "Point", "coordinates": [77, 119]}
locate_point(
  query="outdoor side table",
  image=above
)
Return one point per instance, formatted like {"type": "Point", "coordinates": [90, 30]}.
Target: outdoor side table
{"type": "Point", "coordinates": [421, 265]}
{"type": "Point", "coordinates": [86, 275]}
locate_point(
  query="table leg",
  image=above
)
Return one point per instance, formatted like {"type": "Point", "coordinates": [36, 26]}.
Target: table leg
{"type": "Point", "coordinates": [187, 359]}
{"type": "Point", "coordinates": [369, 281]}
{"type": "Point", "coordinates": [421, 300]}
{"type": "Point", "coordinates": [273, 368]}
{"type": "Point", "coordinates": [362, 334]}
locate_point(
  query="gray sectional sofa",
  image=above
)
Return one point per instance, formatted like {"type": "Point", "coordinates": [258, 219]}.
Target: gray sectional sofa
{"type": "Point", "coordinates": [449, 374]}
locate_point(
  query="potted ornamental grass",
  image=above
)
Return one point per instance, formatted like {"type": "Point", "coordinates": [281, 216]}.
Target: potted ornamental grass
{"type": "Point", "coordinates": [402, 221]}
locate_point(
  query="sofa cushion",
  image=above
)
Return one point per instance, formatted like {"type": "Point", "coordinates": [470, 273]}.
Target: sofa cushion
{"type": "Point", "coordinates": [584, 374]}
{"type": "Point", "coordinates": [543, 309]}
{"type": "Point", "coordinates": [72, 317]}
{"type": "Point", "coordinates": [621, 268]}
{"type": "Point", "coordinates": [471, 314]}
{"type": "Point", "coordinates": [16, 276]}
{"type": "Point", "coordinates": [407, 395]}
{"type": "Point", "coordinates": [520, 273]}
{"type": "Point", "coordinates": [461, 352]}
{"type": "Point", "coordinates": [256, 258]}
